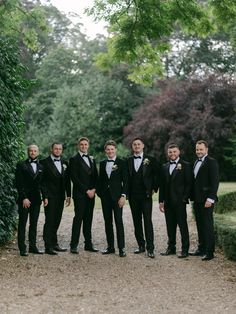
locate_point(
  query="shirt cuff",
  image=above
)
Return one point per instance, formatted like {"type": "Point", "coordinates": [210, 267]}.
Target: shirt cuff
{"type": "Point", "coordinates": [210, 200]}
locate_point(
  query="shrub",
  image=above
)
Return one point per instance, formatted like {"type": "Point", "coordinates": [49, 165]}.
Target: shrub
{"type": "Point", "coordinates": [226, 203]}
{"type": "Point", "coordinates": [12, 86]}
{"type": "Point", "coordinates": [225, 229]}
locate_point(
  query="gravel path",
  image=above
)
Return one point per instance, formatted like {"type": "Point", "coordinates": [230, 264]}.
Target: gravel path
{"type": "Point", "coordinates": [94, 283]}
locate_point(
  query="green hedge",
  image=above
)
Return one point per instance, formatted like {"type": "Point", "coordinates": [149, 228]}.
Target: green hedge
{"type": "Point", "coordinates": [226, 203]}
{"type": "Point", "coordinates": [12, 87]}
{"type": "Point", "coordinates": [225, 229]}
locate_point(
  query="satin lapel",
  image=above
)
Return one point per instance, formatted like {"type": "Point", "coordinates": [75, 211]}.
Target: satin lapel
{"type": "Point", "coordinates": [175, 171]}
{"type": "Point", "coordinates": [130, 165]}
{"type": "Point", "coordinates": [31, 171]}
{"type": "Point", "coordinates": [83, 163]}
{"type": "Point", "coordinates": [144, 166]}
{"type": "Point", "coordinates": [52, 167]}
{"type": "Point", "coordinates": [203, 164]}
{"type": "Point", "coordinates": [167, 173]}
{"type": "Point", "coordinates": [103, 169]}
{"type": "Point", "coordinates": [115, 163]}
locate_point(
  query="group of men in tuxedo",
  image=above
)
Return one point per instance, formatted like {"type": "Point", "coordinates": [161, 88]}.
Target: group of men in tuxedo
{"type": "Point", "coordinates": [136, 178]}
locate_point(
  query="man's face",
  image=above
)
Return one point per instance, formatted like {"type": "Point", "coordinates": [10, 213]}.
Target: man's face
{"type": "Point", "coordinates": [137, 147]}
{"type": "Point", "coordinates": [173, 153]}
{"type": "Point", "coordinates": [33, 151]}
{"type": "Point", "coordinates": [56, 150]}
{"type": "Point", "coordinates": [110, 150]}
{"type": "Point", "coordinates": [201, 150]}
{"type": "Point", "coordinates": [83, 146]}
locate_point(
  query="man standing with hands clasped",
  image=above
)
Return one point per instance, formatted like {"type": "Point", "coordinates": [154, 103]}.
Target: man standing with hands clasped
{"type": "Point", "coordinates": [204, 195]}
{"type": "Point", "coordinates": [57, 182]}
{"type": "Point", "coordinates": [173, 196]}
{"type": "Point", "coordinates": [143, 176]}
{"type": "Point", "coordinates": [83, 173]}
{"type": "Point", "coordinates": [112, 189]}
{"type": "Point", "coordinates": [31, 191]}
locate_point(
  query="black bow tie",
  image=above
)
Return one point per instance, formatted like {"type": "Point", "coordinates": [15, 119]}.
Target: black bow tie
{"type": "Point", "coordinates": [137, 157]}
{"type": "Point", "coordinates": [172, 162]}
{"type": "Point", "coordinates": [84, 155]}
{"type": "Point", "coordinates": [110, 160]}
{"type": "Point", "coordinates": [199, 159]}
{"type": "Point", "coordinates": [33, 161]}
{"type": "Point", "coordinates": [56, 159]}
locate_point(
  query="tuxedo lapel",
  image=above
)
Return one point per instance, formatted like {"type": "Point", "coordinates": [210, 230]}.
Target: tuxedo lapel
{"type": "Point", "coordinates": [131, 165]}
{"type": "Point", "coordinates": [30, 169]}
{"type": "Point", "coordinates": [83, 163]}
{"type": "Point", "coordinates": [52, 167]}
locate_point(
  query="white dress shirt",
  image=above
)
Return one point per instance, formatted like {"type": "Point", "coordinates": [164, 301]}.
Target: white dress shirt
{"type": "Point", "coordinates": [57, 163]}
{"type": "Point", "coordinates": [85, 158]}
{"type": "Point", "coordinates": [109, 165]}
{"type": "Point", "coordinates": [34, 166]}
{"type": "Point", "coordinates": [138, 161]}
{"type": "Point", "coordinates": [173, 166]}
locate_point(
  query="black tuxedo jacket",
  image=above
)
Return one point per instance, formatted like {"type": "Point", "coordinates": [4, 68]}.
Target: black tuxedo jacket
{"type": "Point", "coordinates": [117, 184]}
{"type": "Point", "coordinates": [82, 176]}
{"type": "Point", "coordinates": [175, 188]}
{"type": "Point", "coordinates": [56, 183]}
{"type": "Point", "coordinates": [29, 184]}
{"type": "Point", "coordinates": [150, 173]}
{"type": "Point", "coordinates": [206, 183]}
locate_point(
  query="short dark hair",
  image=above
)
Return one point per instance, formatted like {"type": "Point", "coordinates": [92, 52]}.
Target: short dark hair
{"type": "Point", "coordinates": [110, 142]}
{"type": "Point", "coordinates": [56, 143]}
{"type": "Point", "coordinates": [202, 142]}
{"type": "Point", "coordinates": [137, 139]}
{"type": "Point", "coordinates": [173, 145]}
{"type": "Point", "coordinates": [83, 138]}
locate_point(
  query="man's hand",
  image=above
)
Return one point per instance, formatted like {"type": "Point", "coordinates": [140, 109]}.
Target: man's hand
{"type": "Point", "coordinates": [162, 207]}
{"type": "Point", "coordinates": [91, 193]}
{"type": "Point", "coordinates": [121, 201]}
{"type": "Point", "coordinates": [208, 204]}
{"type": "Point", "coordinates": [26, 203]}
{"type": "Point", "coordinates": [45, 202]}
{"type": "Point", "coordinates": [68, 200]}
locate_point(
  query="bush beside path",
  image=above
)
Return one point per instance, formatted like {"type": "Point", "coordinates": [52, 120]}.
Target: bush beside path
{"type": "Point", "coordinates": [94, 283]}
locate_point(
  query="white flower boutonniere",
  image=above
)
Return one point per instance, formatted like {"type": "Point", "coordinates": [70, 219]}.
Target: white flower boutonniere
{"type": "Point", "coordinates": [146, 161]}
{"type": "Point", "coordinates": [179, 167]}
{"type": "Point", "coordinates": [91, 157]}
{"type": "Point", "coordinates": [114, 167]}
{"type": "Point", "coordinates": [64, 166]}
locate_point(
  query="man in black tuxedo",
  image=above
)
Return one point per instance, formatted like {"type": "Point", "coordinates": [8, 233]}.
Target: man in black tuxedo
{"type": "Point", "coordinates": [143, 175]}
{"type": "Point", "coordinates": [204, 195]}
{"type": "Point", "coordinates": [112, 189]}
{"type": "Point", "coordinates": [29, 184]}
{"type": "Point", "coordinates": [174, 194]}
{"type": "Point", "coordinates": [83, 173]}
{"type": "Point", "coordinates": [57, 182]}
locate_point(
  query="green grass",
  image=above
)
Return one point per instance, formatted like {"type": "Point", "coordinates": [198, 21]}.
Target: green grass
{"type": "Point", "coordinates": [226, 187]}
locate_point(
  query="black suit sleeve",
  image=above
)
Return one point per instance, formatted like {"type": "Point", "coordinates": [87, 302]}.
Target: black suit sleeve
{"type": "Point", "coordinates": [188, 182]}
{"type": "Point", "coordinates": [19, 182]}
{"type": "Point", "coordinates": [213, 179]}
{"type": "Point", "coordinates": [156, 174]}
{"type": "Point", "coordinates": [125, 178]}
{"type": "Point", "coordinates": [67, 180]}
{"type": "Point", "coordinates": [73, 171]}
{"type": "Point", "coordinates": [162, 180]}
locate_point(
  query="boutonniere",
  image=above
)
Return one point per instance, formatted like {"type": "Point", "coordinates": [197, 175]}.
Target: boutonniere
{"type": "Point", "coordinates": [146, 161]}
{"type": "Point", "coordinates": [64, 166]}
{"type": "Point", "coordinates": [92, 158]}
{"type": "Point", "coordinates": [114, 167]}
{"type": "Point", "coordinates": [179, 167]}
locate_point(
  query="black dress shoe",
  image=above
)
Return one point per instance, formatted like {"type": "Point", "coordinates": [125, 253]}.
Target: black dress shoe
{"type": "Point", "coordinates": [196, 253]}
{"type": "Point", "coordinates": [141, 249]}
{"type": "Point", "coordinates": [50, 252]}
{"type": "Point", "coordinates": [57, 248]}
{"type": "Point", "coordinates": [108, 251]}
{"type": "Point", "coordinates": [90, 249]}
{"type": "Point", "coordinates": [23, 253]}
{"type": "Point", "coordinates": [168, 252]}
{"type": "Point", "coordinates": [183, 255]}
{"type": "Point", "coordinates": [151, 254]}
{"type": "Point", "coordinates": [74, 250]}
{"type": "Point", "coordinates": [35, 250]}
{"type": "Point", "coordinates": [122, 253]}
{"type": "Point", "coordinates": [207, 257]}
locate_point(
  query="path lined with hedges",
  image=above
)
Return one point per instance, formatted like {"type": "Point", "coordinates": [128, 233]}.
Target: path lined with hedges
{"type": "Point", "coordinates": [94, 283]}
